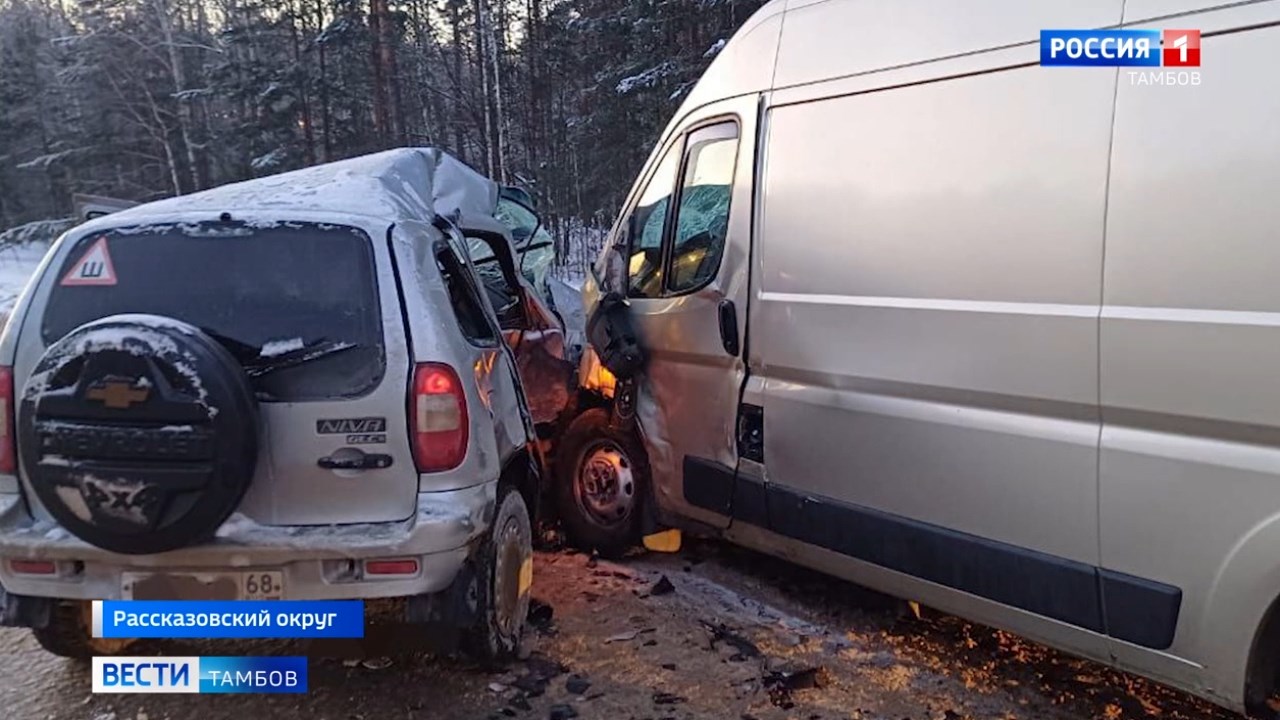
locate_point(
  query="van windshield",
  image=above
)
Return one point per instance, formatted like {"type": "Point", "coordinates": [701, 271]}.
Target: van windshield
{"type": "Point", "coordinates": [275, 297]}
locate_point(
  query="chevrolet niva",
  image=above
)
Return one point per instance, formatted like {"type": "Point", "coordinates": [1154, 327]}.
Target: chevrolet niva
{"type": "Point", "coordinates": [304, 386]}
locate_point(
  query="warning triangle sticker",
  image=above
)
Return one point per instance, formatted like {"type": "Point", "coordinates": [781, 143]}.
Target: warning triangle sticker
{"type": "Point", "coordinates": [93, 268]}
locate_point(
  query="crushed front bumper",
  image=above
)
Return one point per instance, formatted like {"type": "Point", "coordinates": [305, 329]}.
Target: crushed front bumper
{"type": "Point", "coordinates": [317, 562]}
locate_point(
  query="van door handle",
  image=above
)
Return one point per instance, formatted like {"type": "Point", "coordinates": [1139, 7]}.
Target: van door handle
{"type": "Point", "coordinates": [729, 327]}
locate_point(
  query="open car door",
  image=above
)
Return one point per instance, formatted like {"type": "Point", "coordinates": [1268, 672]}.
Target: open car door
{"type": "Point", "coordinates": [534, 333]}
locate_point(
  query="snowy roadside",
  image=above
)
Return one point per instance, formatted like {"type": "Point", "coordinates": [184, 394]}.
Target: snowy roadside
{"type": "Point", "coordinates": [17, 263]}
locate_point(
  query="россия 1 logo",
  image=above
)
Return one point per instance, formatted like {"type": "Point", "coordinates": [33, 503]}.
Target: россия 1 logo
{"type": "Point", "coordinates": [1127, 48]}
{"type": "Point", "coordinates": [1182, 48]}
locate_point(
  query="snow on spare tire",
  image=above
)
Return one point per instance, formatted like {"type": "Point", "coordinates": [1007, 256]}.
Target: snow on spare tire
{"type": "Point", "coordinates": [138, 433]}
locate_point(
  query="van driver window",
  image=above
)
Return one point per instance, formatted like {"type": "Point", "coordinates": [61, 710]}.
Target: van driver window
{"type": "Point", "coordinates": [702, 218]}
{"type": "Point", "coordinates": [644, 229]}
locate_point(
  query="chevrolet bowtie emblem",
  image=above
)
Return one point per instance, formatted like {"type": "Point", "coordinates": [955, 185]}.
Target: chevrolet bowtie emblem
{"type": "Point", "coordinates": [118, 394]}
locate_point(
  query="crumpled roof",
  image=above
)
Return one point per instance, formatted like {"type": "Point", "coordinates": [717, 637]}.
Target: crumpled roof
{"type": "Point", "coordinates": [411, 183]}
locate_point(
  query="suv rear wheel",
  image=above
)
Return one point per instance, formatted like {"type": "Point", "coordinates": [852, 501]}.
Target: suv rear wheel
{"type": "Point", "coordinates": [504, 568]}
{"type": "Point", "coordinates": [68, 634]}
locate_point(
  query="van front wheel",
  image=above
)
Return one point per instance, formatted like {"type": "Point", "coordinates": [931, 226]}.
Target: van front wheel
{"type": "Point", "coordinates": [602, 474]}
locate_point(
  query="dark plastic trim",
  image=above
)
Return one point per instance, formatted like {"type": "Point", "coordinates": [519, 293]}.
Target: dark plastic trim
{"type": "Point", "coordinates": [1137, 610]}
{"type": "Point", "coordinates": [708, 485]}
{"type": "Point", "coordinates": [1143, 612]}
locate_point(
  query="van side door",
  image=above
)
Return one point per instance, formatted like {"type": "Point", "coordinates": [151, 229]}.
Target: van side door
{"type": "Point", "coordinates": [687, 236]}
{"type": "Point", "coordinates": [926, 334]}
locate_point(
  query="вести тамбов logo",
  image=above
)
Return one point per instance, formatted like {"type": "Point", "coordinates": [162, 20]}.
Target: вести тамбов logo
{"type": "Point", "coordinates": [199, 674]}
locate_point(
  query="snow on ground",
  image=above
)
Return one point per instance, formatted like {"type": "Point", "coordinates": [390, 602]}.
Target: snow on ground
{"type": "Point", "coordinates": [17, 263]}
{"type": "Point", "coordinates": [729, 634]}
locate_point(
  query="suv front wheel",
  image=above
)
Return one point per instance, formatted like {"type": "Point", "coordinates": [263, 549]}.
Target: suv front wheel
{"type": "Point", "coordinates": [602, 473]}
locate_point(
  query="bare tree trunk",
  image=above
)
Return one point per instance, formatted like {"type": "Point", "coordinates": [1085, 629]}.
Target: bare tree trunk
{"type": "Point", "coordinates": [57, 190]}
{"type": "Point", "coordinates": [391, 61]}
{"type": "Point", "coordinates": [536, 112]}
{"type": "Point", "coordinates": [206, 131]}
{"type": "Point", "coordinates": [381, 102]}
{"type": "Point", "coordinates": [388, 118]}
{"type": "Point", "coordinates": [482, 67]}
{"type": "Point", "coordinates": [455, 21]}
{"type": "Point", "coordinates": [496, 42]}
{"type": "Point", "coordinates": [324, 81]}
{"type": "Point", "coordinates": [178, 73]}
{"type": "Point", "coordinates": [426, 102]}
{"type": "Point", "coordinates": [308, 134]}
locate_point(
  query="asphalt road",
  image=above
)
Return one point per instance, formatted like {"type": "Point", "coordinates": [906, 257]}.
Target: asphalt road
{"type": "Point", "coordinates": [730, 635]}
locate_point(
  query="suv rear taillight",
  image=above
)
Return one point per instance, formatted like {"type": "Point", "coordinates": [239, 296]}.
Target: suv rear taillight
{"type": "Point", "coordinates": [438, 418]}
{"type": "Point", "coordinates": [8, 452]}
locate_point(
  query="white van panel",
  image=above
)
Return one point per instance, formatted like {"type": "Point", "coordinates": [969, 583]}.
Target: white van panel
{"type": "Point", "coordinates": [1192, 245]}
{"type": "Point", "coordinates": [1139, 10]}
{"type": "Point", "coordinates": [930, 282]}
{"type": "Point", "coordinates": [1207, 16]}
{"type": "Point", "coordinates": [1190, 344]}
{"type": "Point", "coordinates": [911, 210]}
{"type": "Point", "coordinates": [843, 37]}
{"type": "Point", "coordinates": [744, 65]}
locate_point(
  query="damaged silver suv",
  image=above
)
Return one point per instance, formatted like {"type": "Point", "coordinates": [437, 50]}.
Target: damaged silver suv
{"type": "Point", "coordinates": [295, 387]}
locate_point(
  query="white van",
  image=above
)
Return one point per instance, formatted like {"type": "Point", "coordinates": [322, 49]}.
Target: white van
{"type": "Point", "coordinates": [997, 337]}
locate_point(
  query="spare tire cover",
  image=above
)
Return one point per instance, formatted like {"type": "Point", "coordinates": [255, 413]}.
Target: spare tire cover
{"type": "Point", "coordinates": [138, 433]}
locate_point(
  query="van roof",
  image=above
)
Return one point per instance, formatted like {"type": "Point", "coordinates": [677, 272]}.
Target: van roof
{"type": "Point", "coordinates": [796, 42]}
{"type": "Point", "coordinates": [400, 184]}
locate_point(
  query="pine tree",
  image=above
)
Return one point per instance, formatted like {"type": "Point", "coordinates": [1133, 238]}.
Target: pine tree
{"type": "Point", "coordinates": [142, 99]}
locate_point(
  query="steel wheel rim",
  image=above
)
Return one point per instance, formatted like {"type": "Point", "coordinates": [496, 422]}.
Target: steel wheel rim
{"type": "Point", "coordinates": [604, 484]}
{"type": "Point", "coordinates": [102, 646]}
{"type": "Point", "coordinates": [510, 605]}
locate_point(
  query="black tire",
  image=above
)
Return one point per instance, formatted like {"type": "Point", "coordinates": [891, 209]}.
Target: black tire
{"type": "Point", "coordinates": [504, 570]}
{"type": "Point", "coordinates": [67, 634]}
{"type": "Point", "coordinates": [589, 525]}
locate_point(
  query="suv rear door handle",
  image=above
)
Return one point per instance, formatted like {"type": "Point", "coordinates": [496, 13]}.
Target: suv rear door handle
{"type": "Point", "coordinates": [363, 461]}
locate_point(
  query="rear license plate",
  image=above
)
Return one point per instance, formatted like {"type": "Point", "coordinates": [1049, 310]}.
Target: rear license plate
{"type": "Point", "coordinates": [251, 585]}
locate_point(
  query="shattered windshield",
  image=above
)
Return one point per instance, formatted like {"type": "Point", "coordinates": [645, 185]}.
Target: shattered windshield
{"type": "Point", "coordinates": [535, 250]}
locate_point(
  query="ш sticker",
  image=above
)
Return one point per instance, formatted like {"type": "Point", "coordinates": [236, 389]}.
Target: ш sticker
{"type": "Point", "coordinates": [93, 268]}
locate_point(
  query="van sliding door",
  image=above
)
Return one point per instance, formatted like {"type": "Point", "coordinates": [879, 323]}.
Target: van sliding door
{"type": "Point", "coordinates": [926, 328]}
